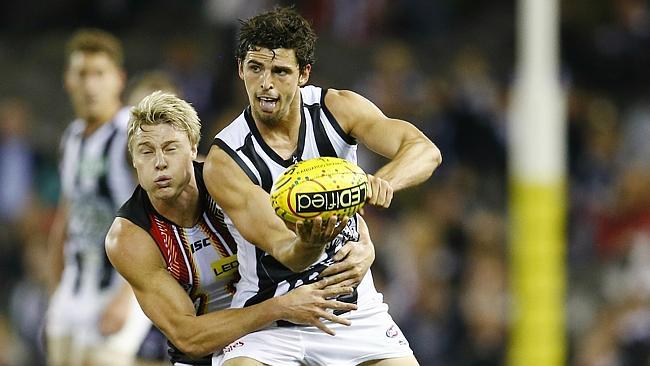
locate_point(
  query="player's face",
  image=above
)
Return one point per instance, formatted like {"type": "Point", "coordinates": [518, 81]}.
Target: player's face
{"type": "Point", "coordinates": [273, 79]}
{"type": "Point", "coordinates": [94, 83]}
{"type": "Point", "coordinates": [162, 156]}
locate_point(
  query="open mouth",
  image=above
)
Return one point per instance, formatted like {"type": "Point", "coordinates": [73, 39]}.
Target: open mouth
{"type": "Point", "coordinates": [267, 104]}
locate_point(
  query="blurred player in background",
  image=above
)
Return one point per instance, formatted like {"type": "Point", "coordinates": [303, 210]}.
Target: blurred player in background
{"type": "Point", "coordinates": [93, 318]}
{"type": "Point", "coordinates": [286, 122]}
{"type": "Point", "coordinates": [148, 82]}
{"type": "Point", "coordinates": [170, 242]}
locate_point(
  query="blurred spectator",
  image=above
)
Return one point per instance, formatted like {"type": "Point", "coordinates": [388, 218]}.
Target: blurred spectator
{"type": "Point", "coordinates": [17, 163]}
{"type": "Point", "coordinates": [29, 297]}
{"type": "Point", "coordinates": [484, 293]}
{"type": "Point", "coordinates": [16, 177]}
{"type": "Point", "coordinates": [477, 114]}
{"type": "Point", "coordinates": [395, 85]}
{"type": "Point", "coordinates": [395, 82]}
{"type": "Point", "coordinates": [148, 82]}
{"type": "Point", "coordinates": [185, 64]}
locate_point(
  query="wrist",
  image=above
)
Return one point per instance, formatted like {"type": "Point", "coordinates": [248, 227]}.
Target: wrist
{"type": "Point", "coordinates": [299, 243]}
{"type": "Point", "coordinates": [277, 308]}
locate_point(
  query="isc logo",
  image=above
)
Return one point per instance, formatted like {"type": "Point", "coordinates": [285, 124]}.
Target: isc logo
{"type": "Point", "coordinates": [330, 200]}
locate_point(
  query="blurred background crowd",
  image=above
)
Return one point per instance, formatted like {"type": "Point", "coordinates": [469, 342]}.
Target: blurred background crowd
{"type": "Point", "coordinates": [447, 66]}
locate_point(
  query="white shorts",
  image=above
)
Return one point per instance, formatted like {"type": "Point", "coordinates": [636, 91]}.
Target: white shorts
{"type": "Point", "coordinates": [373, 335]}
{"type": "Point", "coordinates": [75, 315]}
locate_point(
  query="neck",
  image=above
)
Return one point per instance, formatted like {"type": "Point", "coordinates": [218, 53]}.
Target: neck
{"type": "Point", "coordinates": [182, 209]}
{"type": "Point", "coordinates": [287, 128]}
{"type": "Point", "coordinates": [96, 121]}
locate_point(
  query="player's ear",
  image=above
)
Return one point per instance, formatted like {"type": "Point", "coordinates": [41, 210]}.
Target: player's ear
{"type": "Point", "coordinates": [304, 75]}
{"type": "Point", "coordinates": [194, 151]}
{"type": "Point", "coordinates": [67, 81]}
{"type": "Point", "coordinates": [123, 79]}
{"type": "Point", "coordinates": [129, 158]}
{"type": "Point", "coordinates": [240, 68]}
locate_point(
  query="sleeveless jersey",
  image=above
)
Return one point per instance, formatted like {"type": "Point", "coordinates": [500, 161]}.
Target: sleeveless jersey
{"type": "Point", "coordinates": [263, 277]}
{"type": "Point", "coordinates": [201, 258]}
{"type": "Point", "coordinates": [96, 178]}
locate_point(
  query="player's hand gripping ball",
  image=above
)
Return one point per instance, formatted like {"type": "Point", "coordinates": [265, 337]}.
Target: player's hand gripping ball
{"type": "Point", "coordinates": [322, 187]}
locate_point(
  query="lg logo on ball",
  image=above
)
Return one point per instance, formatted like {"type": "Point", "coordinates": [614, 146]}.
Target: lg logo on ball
{"type": "Point", "coordinates": [330, 200]}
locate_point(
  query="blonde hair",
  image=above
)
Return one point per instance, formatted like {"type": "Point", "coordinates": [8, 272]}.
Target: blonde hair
{"type": "Point", "coordinates": [160, 107]}
{"type": "Point", "coordinates": [92, 40]}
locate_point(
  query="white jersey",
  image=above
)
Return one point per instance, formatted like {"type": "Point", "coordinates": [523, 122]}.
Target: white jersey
{"type": "Point", "coordinates": [96, 179]}
{"type": "Point", "coordinates": [262, 277]}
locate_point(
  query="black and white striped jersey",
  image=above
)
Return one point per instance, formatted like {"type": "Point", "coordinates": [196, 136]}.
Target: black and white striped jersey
{"type": "Point", "coordinates": [262, 277]}
{"type": "Point", "coordinates": [96, 178]}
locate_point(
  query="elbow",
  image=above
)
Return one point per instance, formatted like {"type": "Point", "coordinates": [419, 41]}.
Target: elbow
{"type": "Point", "coordinates": [437, 156]}
{"type": "Point", "coordinates": [434, 156]}
{"type": "Point", "coordinates": [429, 155]}
{"type": "Point", "coordinates": [188, 345]}
{"type": "Point", "coordinates": [191, 350]}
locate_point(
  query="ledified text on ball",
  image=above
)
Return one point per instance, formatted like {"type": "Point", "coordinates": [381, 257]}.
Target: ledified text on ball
{"type": "Point", "coordinates": [330, 200]}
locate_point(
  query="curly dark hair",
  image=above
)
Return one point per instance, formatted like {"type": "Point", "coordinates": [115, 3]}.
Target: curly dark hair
{"type": "Point", "coordinates": [281, 27]}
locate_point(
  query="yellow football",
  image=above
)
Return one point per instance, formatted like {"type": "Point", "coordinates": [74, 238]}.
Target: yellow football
{"type": "Point", "coordinates": [322, 187]}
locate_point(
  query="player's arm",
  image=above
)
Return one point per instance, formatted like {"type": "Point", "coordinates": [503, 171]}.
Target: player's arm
{"type": "Point", "coordinates": [353, 260]}
{"type": "Point", "coordinates": [249, 207]}
{"type": "Point", "coordinates": [136, 257]}
{"type": "Point", "coordinates": [117, 311]}
{"type": "Point", "coordinates": [55, 241]}
{"type": "Point", "coordinates": [413, 156]}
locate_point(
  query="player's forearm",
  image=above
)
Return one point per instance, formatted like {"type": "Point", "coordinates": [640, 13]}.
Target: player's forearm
{"type": "Point", "coordinates": [271, 234]}
{"type": "Point", "coordinates": [288, 249]}
{"type": "Point", "coordinates": [298, 256]}
{"type": "Point", "coordinates": [413, 164]}
{"type": "Point", "coordinates": [208, 333]}
{"type": "Point", "coordinates": [55, 242]}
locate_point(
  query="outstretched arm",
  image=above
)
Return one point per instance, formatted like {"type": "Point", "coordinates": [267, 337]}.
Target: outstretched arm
{"type": "Point", "coordinates": [135, 256]}
{"type": "Point", "coordinates": [413, 157]}
{"type": "Point", "coordinates": [249, 207]}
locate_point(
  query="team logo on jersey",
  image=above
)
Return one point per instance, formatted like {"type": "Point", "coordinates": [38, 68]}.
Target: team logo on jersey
{"type": "Point", "coordinates": [199, 244]}
{"type": "Point", "coordinates": [225, 267]}
{"type": "Point", "coordinates": [392, 332]}
{"type": "Point", "coordinates": [92, 167]}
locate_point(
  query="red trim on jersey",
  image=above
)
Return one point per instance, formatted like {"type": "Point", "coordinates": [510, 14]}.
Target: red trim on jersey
{"type": "Point", "coordinates": [163, 233]}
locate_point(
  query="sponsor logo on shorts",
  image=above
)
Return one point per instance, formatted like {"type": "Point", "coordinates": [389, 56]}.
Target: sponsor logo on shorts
{"type": "Point", "coordinates": [232, 346]}
{"type": "Point", "coordinates": [392, 332]}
